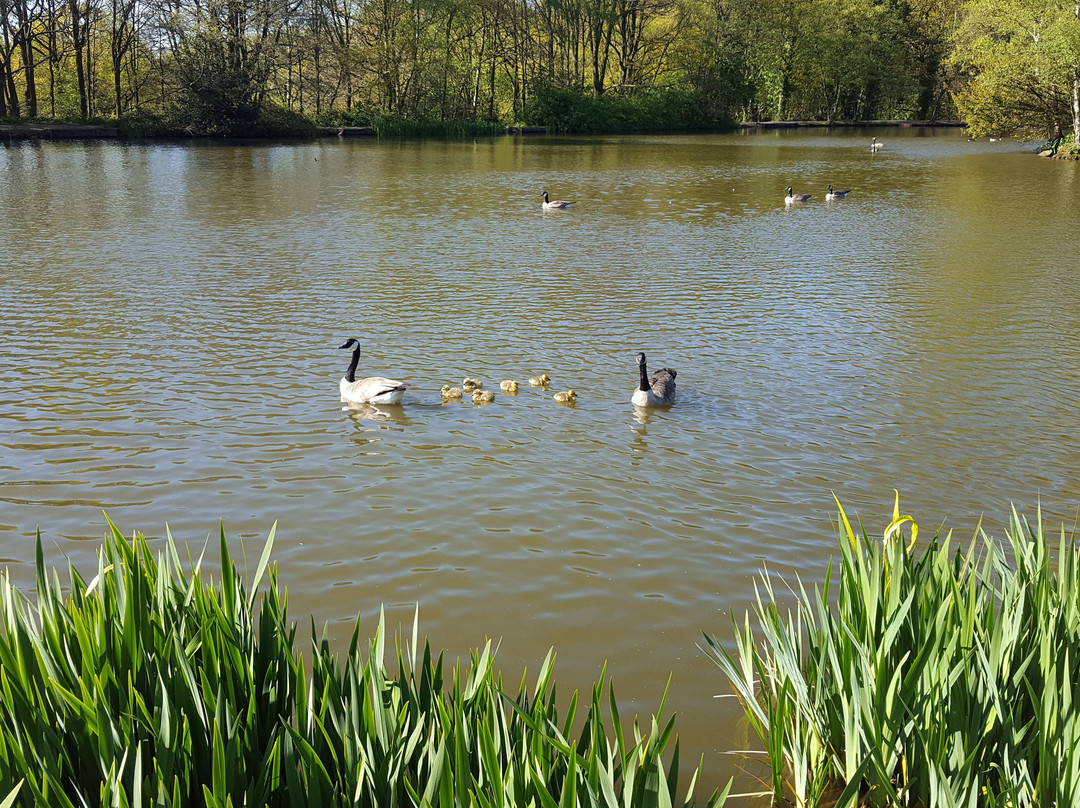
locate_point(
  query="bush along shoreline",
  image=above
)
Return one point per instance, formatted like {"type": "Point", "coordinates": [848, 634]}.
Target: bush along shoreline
{"type": "Point", "coordinates": [920, 677]}
{"type": "Point", "coordinates": [150, 685]}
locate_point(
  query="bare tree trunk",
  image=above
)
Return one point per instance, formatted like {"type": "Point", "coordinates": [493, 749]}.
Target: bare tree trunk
{"type": "Point", "coordinates": [1076, 88]}
{"type": "Point", "coordinates": [1076, 104]}
{"type": "Point", "coordinates": [25, 37]}
{"type": "Point", "coordinates": [78, 39]}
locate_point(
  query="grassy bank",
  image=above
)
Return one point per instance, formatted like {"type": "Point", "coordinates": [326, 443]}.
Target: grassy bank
{"type": "Point", "coordinates": [936, 676]}
{"type": "Point", "coordinates": [152, 684]}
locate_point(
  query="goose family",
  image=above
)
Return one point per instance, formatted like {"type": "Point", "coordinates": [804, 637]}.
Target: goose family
{"type": "Point", "coordinates": [831, 194]}
{"type": "Point", "coordinates": [557, 204]}
{"type": "Point", "coordinates": [372, 390]}
{"type": "Point", "coordinates": [790, 198]}
{"type": "Point", "coordinates": [655, 391]}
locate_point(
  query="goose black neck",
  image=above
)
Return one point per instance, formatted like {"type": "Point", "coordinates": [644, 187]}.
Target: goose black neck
{"type": "Point", "coordinates": [644, 377]}
{"type": "Point", "coordinates": [350, 374]}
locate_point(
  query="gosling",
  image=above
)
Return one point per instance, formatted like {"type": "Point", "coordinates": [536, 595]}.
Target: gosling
{"type": "Point", "coordinates": [449, 392]}
{"type": "Point", "coordinates": [471, 384]}
{"type": "Point", "coordinates": [569, 397]}
{"type": "Point", "coordinates": [539, 381]}
{"type": "Point", "coordinates": [508, 386]}
{"type": "Point", "coordinates": [482, 397]}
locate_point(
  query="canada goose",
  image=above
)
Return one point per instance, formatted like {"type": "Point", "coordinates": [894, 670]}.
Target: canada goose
{"type": "Point", "coordinates": [508, 386]}
{"type": "Point", "coordinates": [471, 384]}
{"type": "Point", "coordinates": [558, 204]}
{"type": "Point", "coordinates": [656, 391]}
{"type": "Point", "coordinates": [874, 145]}
{"type": "Point", "coordinates": [372, 390]}
{"type": "Point", "coordinates": [450, 392]}
{"type": "Point", "coordinates": [836, 194]}
{"type": "Point", "coordinates": [482, 397]}
{"type": "Point", "coordinates": [795, 197]}
{"type": "Point", "coordinates": [569, 397]}
{"type": "Point", "coordinates": [539, 381]}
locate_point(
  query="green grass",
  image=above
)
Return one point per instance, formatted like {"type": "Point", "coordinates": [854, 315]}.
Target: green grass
{"type": "Point", "coordinates": [940, 677]}
{"type": "Point", "coordinates": [152, 685]}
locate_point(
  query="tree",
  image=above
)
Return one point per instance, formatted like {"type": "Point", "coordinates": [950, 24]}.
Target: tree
{"type": "Point", "coordinates": [1021, 65]}
{"type": "Point", "coordinates": [225, 52]}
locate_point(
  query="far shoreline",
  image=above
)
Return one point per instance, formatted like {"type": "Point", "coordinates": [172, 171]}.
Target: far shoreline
{"type": "Point", "coordinates": [75, 131]}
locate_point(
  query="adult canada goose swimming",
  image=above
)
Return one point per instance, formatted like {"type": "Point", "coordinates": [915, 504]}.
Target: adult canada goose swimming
{"type": "Point", "coordinates": [657, 391]}
{"type": "Point", "coordinates": [569, 397]}
{"type": "Point", "coordinates": [831, 194]}
{"type": "Point", "coordinates": [795, 197]}
{"type": "Point", "coordinates": [558, 204]}
{"type": "Point", "coordinates": [372, 390]}
{"type": "Point", "coordinates": [874, 145]}
{"type": "Point", "coordinates": [539, 381]}
{"type": "Point", "coordinates": [508, 386]}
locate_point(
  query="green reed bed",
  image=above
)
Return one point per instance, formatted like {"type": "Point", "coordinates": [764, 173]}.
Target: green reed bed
{"type": "Point", "coordinates": [938, 677]}
{"type": "Point", "coordinates": [149, 685]}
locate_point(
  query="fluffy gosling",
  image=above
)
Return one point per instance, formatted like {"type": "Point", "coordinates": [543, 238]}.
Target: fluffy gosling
{"type": "Point", "coordinates": [508, 386]}
{"type": "Point", "coordinates": [482, 397]}
{"type": "Point", "coordinates": [449, 392]}
{"type": "Point", "coordinates": [539, 381]}
{"type": "Point", "coordinates": [471, 384]}
{"type": "Point", "coordinates": [569, 397]}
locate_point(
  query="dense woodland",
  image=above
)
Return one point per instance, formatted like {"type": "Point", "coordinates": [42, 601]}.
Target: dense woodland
{"type": "Point", "coordinates": [216, 66]}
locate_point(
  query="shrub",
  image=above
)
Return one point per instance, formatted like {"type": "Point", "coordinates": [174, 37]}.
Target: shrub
{"type": "Point", "coordinates": [923, 679]}
{"type": "Point", "coordinates": [674, 109]}
{"type": "Point", "coordinates": [149, 684]}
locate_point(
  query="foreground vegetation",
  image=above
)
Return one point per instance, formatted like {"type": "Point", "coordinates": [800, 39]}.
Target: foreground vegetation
{"type": "Point", "coordinates": [149, 685]}
{"type": "Point", "coordinates": [938, 675]}
{"type": "Point", "coordinates": [217, 67]}
{"type": "Point", "coordinates": [933, 678]}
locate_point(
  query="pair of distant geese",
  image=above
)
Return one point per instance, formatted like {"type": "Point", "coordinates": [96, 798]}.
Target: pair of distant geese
{"type": "Point", "coordinates": [830, 194]}
{"type": "Point", "coordinates": [657, 390]}
{"type": "Point", "coordinates": [791, 198]}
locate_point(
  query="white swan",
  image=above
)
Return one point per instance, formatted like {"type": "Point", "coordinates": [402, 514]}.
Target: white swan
{"type": "Point", "coordinates": [372, 390]}
{"type": "Point", "coordinates": [657, 391]}
{"type": "Point", "coordinates": [558, 204]}
{"type": "Point", "coordinates": [874, 145]}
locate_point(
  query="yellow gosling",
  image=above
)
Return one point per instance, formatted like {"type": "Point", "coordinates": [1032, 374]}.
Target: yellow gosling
{"type": "Point", "coordinates": [471, 384]}
{"type": "Point", "coordinates": [483, 397]}
{"type": "Point", "coordinates": [508, 386]}
{"type": "Point", "coordinates": [450, 392]}
{"type": "Point", "coordinates": [540, 381]}
{"type": "Point", "coordinates": [569, 397]}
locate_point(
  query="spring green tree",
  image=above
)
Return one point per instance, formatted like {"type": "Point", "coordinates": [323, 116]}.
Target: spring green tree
{"type": "Point", "coordinates": [1021, 63]}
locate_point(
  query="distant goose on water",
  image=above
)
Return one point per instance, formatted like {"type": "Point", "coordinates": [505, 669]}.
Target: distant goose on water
{"type": "Point", "coordinates": [831, 194]}
{"type": "Point", "coordinates": [874, 145]}
{"type": "Point", "coordinates": [795, 197]}
{"type": "Point", "coordinates": [558, 204]}
{"type": "Point", "coordinates": [655, 391]}
{"type": "Point", "coordinates": [372, 390]}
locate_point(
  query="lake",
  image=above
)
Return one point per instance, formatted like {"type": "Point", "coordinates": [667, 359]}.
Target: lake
{"type": "Point", "coordinates": [172, 323]}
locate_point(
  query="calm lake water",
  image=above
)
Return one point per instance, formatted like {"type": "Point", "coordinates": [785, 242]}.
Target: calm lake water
{"type": "Point", "coordinates": [172, 317]}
